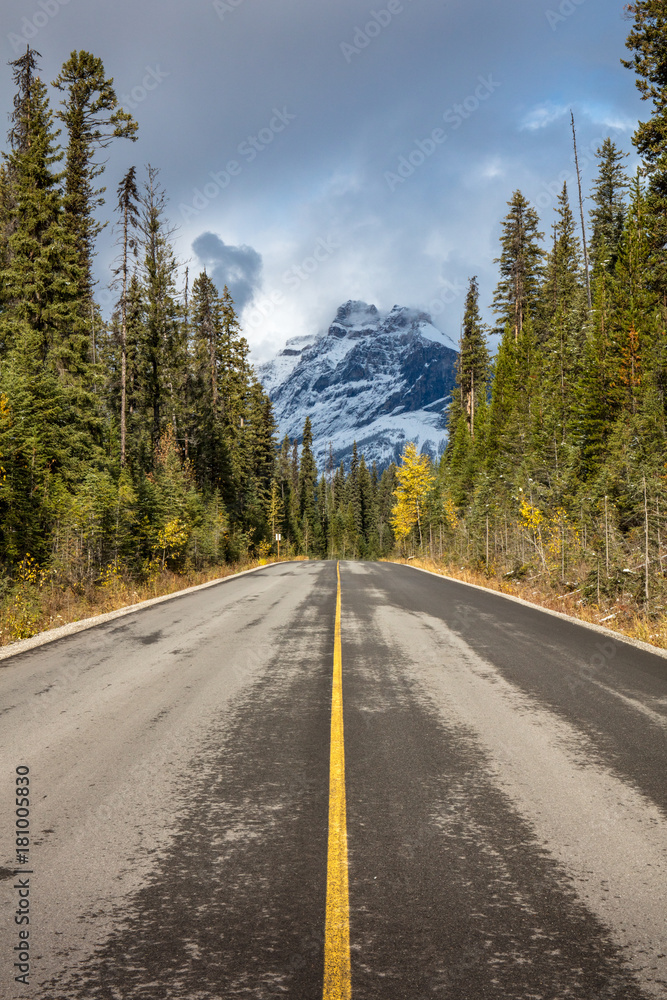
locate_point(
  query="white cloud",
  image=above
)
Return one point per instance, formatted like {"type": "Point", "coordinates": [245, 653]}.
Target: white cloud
{"type": "Point", "coordinates": [546, 113]}
{"type": "Point", "coordinates": [609, 117]}
{"type": "Point", "coordinates": [542, 115]}
{"type": "Point", "coordinates": [492, 168]}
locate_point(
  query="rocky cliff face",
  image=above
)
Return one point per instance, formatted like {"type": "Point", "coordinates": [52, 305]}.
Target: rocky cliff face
{"type": "Point", "coordinates": [381, 380]}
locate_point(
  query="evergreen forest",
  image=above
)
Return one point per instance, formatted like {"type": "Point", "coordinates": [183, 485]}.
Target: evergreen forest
{"type": "Point", "coordinates": [141, 445]}
{"type": "Point", "coordinates": [555, 471]}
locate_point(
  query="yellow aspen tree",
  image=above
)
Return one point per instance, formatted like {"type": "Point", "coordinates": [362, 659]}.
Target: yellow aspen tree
{"type": "Point", "coordinates": [415, 478]}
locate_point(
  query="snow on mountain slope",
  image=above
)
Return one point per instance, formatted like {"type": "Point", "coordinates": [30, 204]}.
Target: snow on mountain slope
{"type": "Point", "coordinates": [279, 368]}
{"type": "Point", "coordinates": [379, 379]}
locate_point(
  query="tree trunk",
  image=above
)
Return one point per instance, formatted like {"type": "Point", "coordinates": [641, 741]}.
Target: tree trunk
{"type": "Point", "coordinates": [581, 209]}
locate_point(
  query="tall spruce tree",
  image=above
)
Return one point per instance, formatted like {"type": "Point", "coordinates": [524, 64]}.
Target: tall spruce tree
{"type": "Point", "coordinates": [39, 279]}
{"type": "Point", "coordinates": [207, 431]}
{"type": "Point", "coordinates": [648, 43]}
{"type": "Point", "coordinates": [207, 339]}
{"type": "Point", "coordinates": [520, 268]}
{"type": "Point", "coordinates": [596, 388]}
{"type": "Point", "coordinates": [259, 442]}
{"type": "Point", "coordinates": [48, 415]}
{"type": "Point", "coordinates": [563, 267]}
{"type": "Point", "coordinates": [366, 503]}
{"type": "Point", "coordinates": [352, 490]}
{"type": "Point", "coordinates": [25, 73]}
{"type": "Point", "coordinates": [473, 364]}
{"type": "Point", "coordinates": [236, 383]}
{"type": "Point", "coordinates": [138, 425]}
{"type": "Point", "coordinates": [128, 210]}
{"type": "Point", "coordinates": [608, 212]}
{"type": "Point", "coordinates": [516, 301]}
{"type": "Point", "coordinates": [262, 439]}
{"type": "Point", "coordinates": [307, 477]}
{"type": "Point", "coordinates": [92, 118]}
{"type": "Point", "coordinates": [5, 223]}
{"type": "Point", "coordinates": [634, 320]}
{"type": "Point", "coordinates": [163, 343]}
{"type": "Point", "coordinates": [563, 317]}
{"type": "Point", "coordinates": [41, 317]}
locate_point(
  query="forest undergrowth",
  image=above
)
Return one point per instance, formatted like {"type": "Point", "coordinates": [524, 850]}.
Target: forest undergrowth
{"type": "Point", "coordinates": [36, 603]}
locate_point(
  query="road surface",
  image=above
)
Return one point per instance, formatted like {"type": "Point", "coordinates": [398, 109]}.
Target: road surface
{"type": "Point", "coordinates": [505, 798]}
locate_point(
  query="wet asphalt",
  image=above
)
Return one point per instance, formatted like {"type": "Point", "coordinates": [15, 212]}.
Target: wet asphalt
{"type": "Point", "coordinates": [181, 757]}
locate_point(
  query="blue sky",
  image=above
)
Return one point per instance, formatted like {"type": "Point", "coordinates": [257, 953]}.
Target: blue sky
{"type": "Point", "coordinates": [313, 153]}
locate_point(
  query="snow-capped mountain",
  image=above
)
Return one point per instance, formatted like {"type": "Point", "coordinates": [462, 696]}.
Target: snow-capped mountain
{"type": "Point", "coordinates": [379, 379]}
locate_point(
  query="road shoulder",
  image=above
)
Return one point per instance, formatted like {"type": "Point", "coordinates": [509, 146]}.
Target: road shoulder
{"type": "Point", "coordinates": [52, 635]}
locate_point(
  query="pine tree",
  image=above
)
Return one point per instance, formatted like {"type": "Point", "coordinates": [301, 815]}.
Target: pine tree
{"type": "Point", "coordinates": [39, 280]}
{"type": "Point", "coordinates": [338, 485]}
{"type": "Point", "coordinates": [207, 339]}
{"type": "Point", "coordinates": [563, 315]}
{"type": "Point", "coordinates": [235, 386]}
{"type": "Point", "coordinates": [138, 425]}
{"type": "Point", "coordinates": [284, 479]}
{"type": "Point", "coordinates": [283, 469]}
{"type": "Point", "coordinates": [206, 430]}
{"type": "Point", "coordinates": [163, 342]}
{"type": "Point", "coordinates": [595, 391]}
{"type": "Point", "coordinates": [33, 450]}
{"type": "Point", "coordinates": [92, 117]}
{"type": "Point", "coordinates": [472, 367]}
{"type": "Point", "coordinates": [520, 265]}
{"type": "Point", "coordinates": [307, 480]}
{"type": "Point", "coordinates": [508, 423]}
{"type": "Point", "coordinates": [25, 74]}
{"type": "Point", "coordinates": [648, 43]}
{"type": "Point", "coordinates": [234, 428]}
{"type": "Point", "coordinates": [516, 301]}
{"type": "Point", "coordinates": [294, 512]}
{"type": "Point", "coordinates": [634, 319]}
{"type": "Point", "coordinates": [608, 214]}
{"type": "Point", "coordinates": [261, 445]}
{"type": "Point", "coordinates": [352, 493]}
{"type": "Point", "coordinates": [336, 519]}
{"type": "Point", "coordinates": [460, 460]}
{"type": "Point", "coordinates": [45, 343]}
{"type": "Point", "coordinates": [322, 529]}
{"type": "Point", "coordinates": [563, 268]}
{"type": "Point", "coordinates": [365, 494]}
{"type": "Point", "coordinates": [128, 208]}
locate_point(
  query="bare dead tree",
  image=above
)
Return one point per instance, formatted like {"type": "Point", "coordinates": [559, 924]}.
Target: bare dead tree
{"type": "Point", "coordinates": [581, 210]}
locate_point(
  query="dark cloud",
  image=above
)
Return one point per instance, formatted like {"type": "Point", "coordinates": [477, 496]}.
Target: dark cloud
{"type": "Point", "coordinates": [300, 124]}
{"type": "Point", "coordinates": [240, 268]}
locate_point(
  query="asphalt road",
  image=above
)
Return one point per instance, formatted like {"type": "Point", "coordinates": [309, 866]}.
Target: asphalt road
{"type": "Point", "coordinates": [505, 784]}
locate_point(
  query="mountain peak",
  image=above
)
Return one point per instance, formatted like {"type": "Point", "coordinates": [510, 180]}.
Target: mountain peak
{"type": "Point", "coordinates": [379, 379]}
{"type": "Point", "coordinates": [354, 312]}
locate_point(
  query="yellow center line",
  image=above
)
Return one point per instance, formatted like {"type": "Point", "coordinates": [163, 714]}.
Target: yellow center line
{"type": "Point", "coordinates": [337, 972]}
